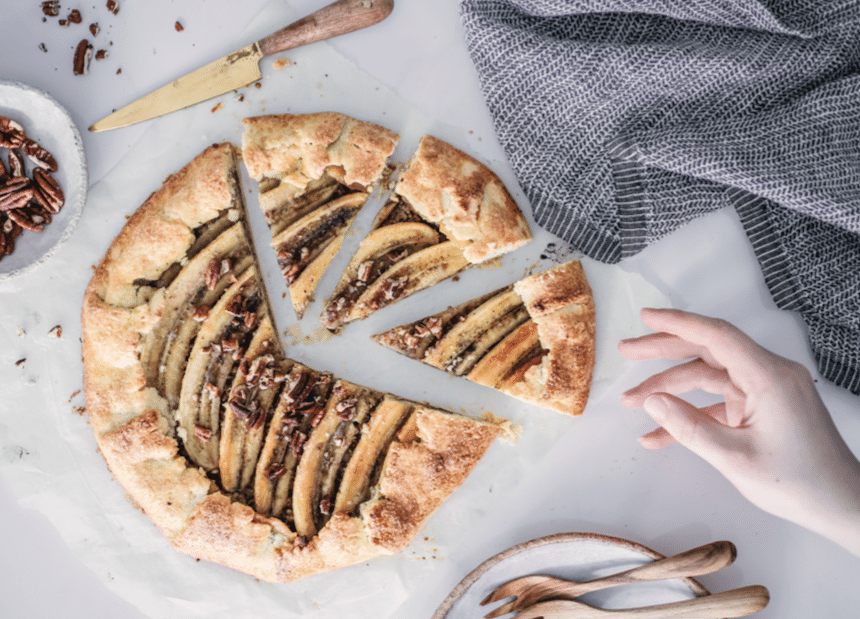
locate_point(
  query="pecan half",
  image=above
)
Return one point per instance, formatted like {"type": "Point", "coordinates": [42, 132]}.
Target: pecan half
{"type": "Point", "coordinates": [11, 133]}
{"type": "Point", "coordinates": [49, 189]}
{"type": "Point", "coordinates": [16, 163]}
{"type": "Point", "coordinates": [39, 155]}
{"type": "Point", "coordinates": [28, 219]}
{"type": "Point", "coordinates": [83, 54]}
{"type": "Point", "coordinates": [15, 193]}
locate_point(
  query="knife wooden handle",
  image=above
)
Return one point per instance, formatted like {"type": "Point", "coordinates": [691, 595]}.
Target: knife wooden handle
{"type": "Point", "coordinates": [335, 19]}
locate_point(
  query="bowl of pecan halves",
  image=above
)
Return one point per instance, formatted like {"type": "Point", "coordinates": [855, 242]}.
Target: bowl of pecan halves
{"type": "Point", "coordinates": [43, 177]}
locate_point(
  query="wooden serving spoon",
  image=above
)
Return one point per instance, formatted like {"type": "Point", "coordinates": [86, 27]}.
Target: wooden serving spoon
{"type": "Point", "coordinates": [537, 588]}
{"type": "Point", "coordinates": [734, 603]}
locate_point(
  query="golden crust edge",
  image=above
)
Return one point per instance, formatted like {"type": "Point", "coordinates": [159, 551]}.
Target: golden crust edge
{"type": "Point", "coordinates": [561, 304]}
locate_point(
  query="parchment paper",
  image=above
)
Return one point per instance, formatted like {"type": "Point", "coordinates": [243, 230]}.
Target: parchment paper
{"type": "Point", "coordinates": [48, 455]}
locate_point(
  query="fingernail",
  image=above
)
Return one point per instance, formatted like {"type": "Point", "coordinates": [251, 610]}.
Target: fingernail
{"type": "Point", "coordinates": [656, 406]}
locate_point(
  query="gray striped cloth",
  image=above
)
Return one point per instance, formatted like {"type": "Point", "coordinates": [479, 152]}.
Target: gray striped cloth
{"type": "Point", "coordinates": [625, 120]}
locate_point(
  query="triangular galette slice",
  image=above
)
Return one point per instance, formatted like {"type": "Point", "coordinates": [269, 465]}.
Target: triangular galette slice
{"type": "Point", "coordinates": [314, 173]}
{"type": "Point", "coordinates": [448, 212]}
{"type": "Point", "coordinates": [238, 454]}
{"type": "Point", "coordinates": [533, 340]}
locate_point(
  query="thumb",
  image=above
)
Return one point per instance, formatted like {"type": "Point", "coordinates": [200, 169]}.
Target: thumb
{"type": "Point", "coordinates": [695, 430]}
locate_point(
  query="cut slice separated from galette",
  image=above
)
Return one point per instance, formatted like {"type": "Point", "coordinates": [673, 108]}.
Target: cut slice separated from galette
{"type": "Point", "coordinates": [314, 173]}
{"type": "Point", "coordinates": [533, 340]}
{"type": "Point", "coordinates": [447, 212]}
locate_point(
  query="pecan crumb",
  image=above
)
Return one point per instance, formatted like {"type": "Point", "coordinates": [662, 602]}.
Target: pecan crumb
{"type": "Point", "coordinates": [101, 54]}
{"type": "Point", "coordinates": [21, 362]}
{"type": "Point", "coordinates": [217, 107]}
{"type": "Point", "coordinates": [51, 8]}
{"type": "Point", "coordinates": [83, 53]}
{"type": "Point", "coordinates": [178, 27]}
{"type": "Point", "coordinates": [94, 29]}
{"type": "Point", "coordinates": [57, 331]}
{"type": "Point", "coordinates": [112, 6]}
{"type": "Point", "coordinates": [74, 17]}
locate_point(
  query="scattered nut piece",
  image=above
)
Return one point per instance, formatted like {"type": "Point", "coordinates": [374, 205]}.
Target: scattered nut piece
{"type": "Point", "coordinates": [21, 362]}
{"type": "Point", "coordinates": [178, 27]}
{"type": "Point", "coordinates": [75, 17]}
{"type": "Point", "coordinates": [112, 6]}
{"type": "Point", "coordinates": [57, 331]}
{"type": "Point", "coordinates": [217, 107]}
{"type": "Point", "coordinates": [51, 8]}
{"type": "Point", "coordinates": [83, 53]}
{"type": "Point", "coordinates": [94, 29]}
{"type": "Point", "coordinates": [101, 54]}
{"type": "Point", "coordinates": [280, 63]}
{"type": "Point", "coordinates": [42, 47]}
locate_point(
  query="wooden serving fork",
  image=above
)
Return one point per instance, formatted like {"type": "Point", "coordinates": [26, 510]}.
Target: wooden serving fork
{"type": "Point", "coordinates": [735, 603]}
{"type": "Point", "coordinates": [533, 589]}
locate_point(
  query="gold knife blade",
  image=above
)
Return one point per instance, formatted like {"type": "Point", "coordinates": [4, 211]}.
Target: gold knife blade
{"type": "Point", "coordinates": [233, 71]}
{"type": "Point", "coordinates": [242, 67]}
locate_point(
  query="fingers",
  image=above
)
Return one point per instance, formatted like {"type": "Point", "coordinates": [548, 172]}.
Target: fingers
{"type": "Point", "coordinates": [662, 346]}
{"type": "Point", "coordinates": [684, 378]}
{"type": "Point", "coordinates": [688, 425]}
{"type": "Point", "coordinates": [719, 343]}
{"type": "Point", "coordinates": [660, 437]}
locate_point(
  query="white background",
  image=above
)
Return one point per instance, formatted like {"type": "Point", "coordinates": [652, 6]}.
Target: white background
{"type": "Point", "coordinates": [595, 478]}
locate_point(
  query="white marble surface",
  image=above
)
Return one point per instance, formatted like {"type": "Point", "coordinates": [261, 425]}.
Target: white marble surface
{"type": "Point", "coordinates": [595, 478]}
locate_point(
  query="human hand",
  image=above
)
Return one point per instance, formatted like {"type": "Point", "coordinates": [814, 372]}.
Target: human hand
{"type": "Point", "coordinates": [772, 437]}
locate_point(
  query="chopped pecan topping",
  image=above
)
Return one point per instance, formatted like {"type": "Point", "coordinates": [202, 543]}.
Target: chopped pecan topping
{"type": "Point", "coordinates": [274, 472]}
{"type": "Point", "coordinates": [364, 270]}
{"type": "Point", "coordinates": [201, 313]}
{"type": "Point", "coordinates": [202, 434]}
{"type": "Point", "coordinates": [397, 255]}
{"type": "Point", "coordinates": [291, 272]}
{"type": "Point", "coordinates": [213, 272]}
{"type": "Point", "coordinates": [236, 306]}
{"type": "Point", "coordinates": [213, 390]}
{"type": "Point", "coordinates": [240, 411]}
{"type": "Point", "coordinates": [297, 443]}
{"type": "Point", "coordinates": [393, 289]}
{"type": "Point", "coordinates": [230, 344]}
{"type": "Point", "coordinates": [435, 326]}
{"type": "Point", "coordinates": [346, 409]}
{"type": "Point", "coordinates": [318, 413]}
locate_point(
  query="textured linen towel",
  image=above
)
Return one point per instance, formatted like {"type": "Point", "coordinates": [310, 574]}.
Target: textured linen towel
{"type": "Point", "coordinates": [625, 120]}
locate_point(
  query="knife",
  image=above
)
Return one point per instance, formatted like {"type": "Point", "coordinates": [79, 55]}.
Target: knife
{"type": "Point", "coordinates": [242, 67]}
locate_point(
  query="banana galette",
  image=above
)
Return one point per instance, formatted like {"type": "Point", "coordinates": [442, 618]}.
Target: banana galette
{"type": "Point", "coordinates": [238, 454]}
